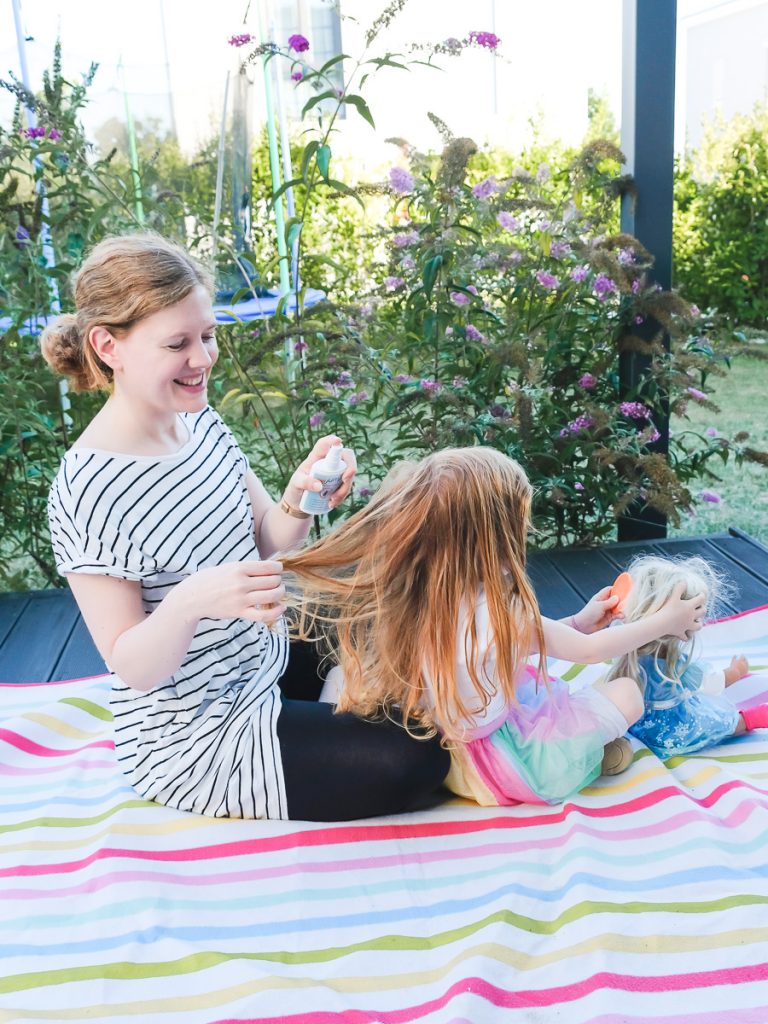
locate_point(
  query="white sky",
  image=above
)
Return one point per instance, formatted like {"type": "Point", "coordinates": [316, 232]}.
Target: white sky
{"type": "Point", "coordinates": [552, 51]}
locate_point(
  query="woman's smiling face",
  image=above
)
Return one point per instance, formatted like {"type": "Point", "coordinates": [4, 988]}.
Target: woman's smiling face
{"type": "Point", "coordinates": [165, 360]}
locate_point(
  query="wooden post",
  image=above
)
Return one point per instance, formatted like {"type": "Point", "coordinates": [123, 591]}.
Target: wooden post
{"type": "Point", "coordinates": [647, 140]}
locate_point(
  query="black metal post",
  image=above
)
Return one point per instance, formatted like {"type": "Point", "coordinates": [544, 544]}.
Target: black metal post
{"type": "Point", "coordinates": [647, 139]}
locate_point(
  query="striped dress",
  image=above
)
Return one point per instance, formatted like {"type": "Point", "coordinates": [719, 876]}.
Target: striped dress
{"type": "Point", "coordinates": [204, 740]}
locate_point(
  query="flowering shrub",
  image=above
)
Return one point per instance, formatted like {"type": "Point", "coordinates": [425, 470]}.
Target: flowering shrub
{"type": "Point", "coordinates": [498, 315]}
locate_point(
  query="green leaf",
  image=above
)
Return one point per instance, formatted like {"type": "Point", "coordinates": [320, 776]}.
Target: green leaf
{"type": "Point", "coordinates": [309, 151]}
{"type": "Point", "coordinates": [323, 158]}
{"type": "Point", "coordinates": [362, 108]}
{"type": "Point", "coordinates": [329, 94]}
{"type": "Point", "coordinates": [334, 60]}
{"type": "Point", "coordinates": [284, 187]}
{"type": "Point", "coordinates": [429, 274]}
{"type": "Point", "coordinates": [292, 230]}
{"type": "Point", "coordinates": [339, 186]}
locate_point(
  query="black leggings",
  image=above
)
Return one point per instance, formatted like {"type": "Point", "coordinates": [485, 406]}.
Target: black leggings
{"type": "Point", "coordinates": [338, 766]}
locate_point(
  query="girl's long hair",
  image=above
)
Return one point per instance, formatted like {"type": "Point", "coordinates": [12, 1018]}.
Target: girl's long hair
{"type": "Point", "coordinates": [389, 587]}
{"type": "Point", "coordinates": [654, 580]}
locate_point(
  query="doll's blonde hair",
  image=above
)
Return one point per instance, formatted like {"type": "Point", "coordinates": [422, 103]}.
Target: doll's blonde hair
{"type": "Point", "coordinates": [389, 587]}
{"type": "Point", "coordinates": [654, 580]}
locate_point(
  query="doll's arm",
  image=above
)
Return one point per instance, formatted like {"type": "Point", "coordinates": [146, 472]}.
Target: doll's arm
{"type": "Point", "coordinates": [738, 668]}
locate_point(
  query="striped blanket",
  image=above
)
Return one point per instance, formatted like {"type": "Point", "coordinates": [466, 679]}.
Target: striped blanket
{"type": "Point", "coordinates": [644, 899]}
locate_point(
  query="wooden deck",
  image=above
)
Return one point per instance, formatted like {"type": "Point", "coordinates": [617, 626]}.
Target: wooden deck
{"type": "Point", "coordinates": [42, 636]}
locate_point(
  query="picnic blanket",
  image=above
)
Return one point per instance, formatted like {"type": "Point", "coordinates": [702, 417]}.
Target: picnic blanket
{"type": "Point", "coordinates": [645, 899]}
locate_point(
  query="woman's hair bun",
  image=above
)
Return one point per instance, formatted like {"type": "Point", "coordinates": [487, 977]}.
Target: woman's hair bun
{"type": "Point", "coordinates": [63, 348]}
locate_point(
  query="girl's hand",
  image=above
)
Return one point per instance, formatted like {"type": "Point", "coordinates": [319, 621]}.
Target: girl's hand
{"type": "Point", "coordinates": [681, 617]}
{"type": "Point", "coordinates": [597, 613]}
{"type": "Point", "coordinates": [302, 480]}
{"type": "Point", "coordinates": [236, 590]}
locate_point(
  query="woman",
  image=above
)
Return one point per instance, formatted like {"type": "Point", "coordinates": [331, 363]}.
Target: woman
{"type": "Point", "coordinates": [165, 536]}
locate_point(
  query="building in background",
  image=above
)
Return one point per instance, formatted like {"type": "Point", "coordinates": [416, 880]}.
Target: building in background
{"type": "Point", "coordinates": [722, 64]}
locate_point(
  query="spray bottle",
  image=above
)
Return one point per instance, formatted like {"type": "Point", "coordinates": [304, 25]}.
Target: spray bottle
{"type": "Point", "coordinates": [329, 472]}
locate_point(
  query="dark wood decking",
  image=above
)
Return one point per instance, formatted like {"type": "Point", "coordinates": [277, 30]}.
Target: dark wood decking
{"type": "Point", "coordinates": [42, 636]}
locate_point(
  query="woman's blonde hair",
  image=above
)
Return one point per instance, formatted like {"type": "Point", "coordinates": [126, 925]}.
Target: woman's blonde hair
{"type": "Point", "coordinates": [389, 587]}
{"type": "Point", "coordinates": [654, 580]}
{"type": "Point", "coordinates": [124, 279]}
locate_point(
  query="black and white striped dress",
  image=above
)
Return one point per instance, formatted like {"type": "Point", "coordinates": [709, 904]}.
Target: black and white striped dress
{"type": "Point", "coordinates": [204, 740]}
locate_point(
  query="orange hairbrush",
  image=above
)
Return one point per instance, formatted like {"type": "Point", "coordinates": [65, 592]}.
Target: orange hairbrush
{"type": "Point", "coordinates": [621, 588]}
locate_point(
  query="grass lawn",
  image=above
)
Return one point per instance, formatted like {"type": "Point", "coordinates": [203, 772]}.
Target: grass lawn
{"type": "Point", "coordinates": [744, 489]}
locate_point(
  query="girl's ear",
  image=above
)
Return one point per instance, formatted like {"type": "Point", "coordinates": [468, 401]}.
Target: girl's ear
{"type": "Point", "coordinates": [105, 346]}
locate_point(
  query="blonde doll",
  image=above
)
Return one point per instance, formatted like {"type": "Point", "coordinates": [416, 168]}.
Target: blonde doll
{"type": "Point", "coordinates": [685, 709]}
{"type": "Point", "coordinates": [424, 600]}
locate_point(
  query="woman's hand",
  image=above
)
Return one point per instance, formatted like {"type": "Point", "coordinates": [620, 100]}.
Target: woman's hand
{"type": "Point", "coordinates": [303, 481]}
{"type": "Point", "coordinates": [681, 617]}
{"type": "Point", "coordinates": [597, 613]}
{"type": "Point", "coordinates": [236, 590]}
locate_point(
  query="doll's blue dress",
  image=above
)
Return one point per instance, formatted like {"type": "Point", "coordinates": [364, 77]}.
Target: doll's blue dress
{"type": "Point", "coordinates": [681, 716]}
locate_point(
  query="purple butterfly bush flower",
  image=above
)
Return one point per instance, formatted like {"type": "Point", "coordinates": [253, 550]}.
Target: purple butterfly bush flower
{"type": "Point", "coordinates": [587, 381]}
{"type": "Point", "coordinates": [344, 380]}
{"type": "Point", "coordinates": [393, 283]}
{"type": "Point", "coordinates": [298, 43]}
{"type": "Point", "coordinates": [22, 235]}
{"type": "Point", "coordinates": [576, 426]}
{"type": "Point", "coordinates": [710, 496]}
{"type": "Point", "coordinates": [626, 257]}
{"type": "Point", "coordinates": [316, 419]}
{"type": "Point", "coordinates": [485, 188]}
{"type": "Point", "coordinates": [488, 40]}
{"type": "Point", "coordinates": [579, 274]}
{"type": "Point", "coordinates": [711, 431]}
{"type": "Point", "coordinates": [34, 133]}
{"type": "Point", "coordinates": [639, 320]}
{"type": "Point", "coordinates": [357, 397]}
{"type": "Point", "coordinates": [635, 410]}
{"type": "Point", "coordinates": [433, 386]}
{"type": "Point", "coordinates": [297, 76]}
{"type": "Point", "coordinates": [400, 180]}
{"type": "Point", "coordinates": [299, 346]}
{"type": "Point", "coordinates": [54, 134]}
{"type": "Point", "coordinates": [547, 280]}
{"type": "Point", "coordinates": [559, 249]}
{"type": "Point", "coordinates": [507, 221]}
{"type": "Point", "coordinates": [409, 238]}
{"type": "Point", "coordinates": [403, 378]}
{"type": "Point", "coordinates": [459, 298]}
{"type": "Point", "coordinates": [695, 393]}
{"type": "Point", "coordinates": [364, 492]}
{"type": "Point", "coordinates": [578, 487]}
{"type": "Point", "coordinates": [242, 40]}
{"type": "Point", "coordinates": [603, 286]}
{"type": "Point", "coordinates": [636, 286]}
{"type": "Point", "coordinates": [473, 334]}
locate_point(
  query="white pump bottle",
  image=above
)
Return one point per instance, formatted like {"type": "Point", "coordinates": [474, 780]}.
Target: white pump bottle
{"type": "Point", "coordinates": [329, 472]}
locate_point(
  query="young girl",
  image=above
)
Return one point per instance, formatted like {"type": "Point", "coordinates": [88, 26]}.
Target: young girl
{"type": "Point", "coordinates": [166, 537]}
{"type": "Point", "coordinates": [425, 602]}
{"type": "Point", "coordinates": [685, 709]}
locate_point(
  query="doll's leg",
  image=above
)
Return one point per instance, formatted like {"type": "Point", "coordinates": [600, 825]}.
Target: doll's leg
{"type": "Point", "coordinates": [752, 718]}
